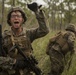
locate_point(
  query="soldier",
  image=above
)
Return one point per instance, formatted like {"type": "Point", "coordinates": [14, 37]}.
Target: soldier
{"type": "Point", "coordinates": [58, 47]}
{"type": "Point", "coordinates": [13, 63]}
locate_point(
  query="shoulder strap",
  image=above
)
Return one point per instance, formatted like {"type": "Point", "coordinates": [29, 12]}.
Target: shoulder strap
{"type": "Point", "coordinates": [13, 42]}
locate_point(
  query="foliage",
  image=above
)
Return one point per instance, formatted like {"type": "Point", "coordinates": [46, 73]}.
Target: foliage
{"type": "Point", "coordinates": [58, 12]}
{"type": "Point", "coordinates": [39, 47]}
{"type": "Point", "coordinates": [53, 11]}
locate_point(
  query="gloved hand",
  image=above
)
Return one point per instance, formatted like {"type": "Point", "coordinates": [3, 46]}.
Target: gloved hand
{"type": "Point", "coordinates": [34, 6]}
{"type": "Point", "coordinates": [20, 64]}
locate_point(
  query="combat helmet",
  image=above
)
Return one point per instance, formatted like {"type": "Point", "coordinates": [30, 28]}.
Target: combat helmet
{"type": "Point", "coordinates": [15, 9]}
{"type": "Point", "coordinates": [71, 27]}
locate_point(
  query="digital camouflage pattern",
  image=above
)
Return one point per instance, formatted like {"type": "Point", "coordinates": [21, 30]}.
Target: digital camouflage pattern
{"type": "Point", "coordinates": [6, 62]}
{"type": "Point", "coordinates": [58, 48]}
{"type": "Point", "coordinates": [24, 41]}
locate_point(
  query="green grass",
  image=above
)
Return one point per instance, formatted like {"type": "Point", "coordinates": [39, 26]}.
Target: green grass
{"type": "Point", "coordinates": [39, 47]}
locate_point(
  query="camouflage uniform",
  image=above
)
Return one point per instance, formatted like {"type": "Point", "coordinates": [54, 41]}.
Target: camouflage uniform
{"type": "Point", "coordinates": [24, 41]}
{"type": "Point", "coordinates": [58, 48]}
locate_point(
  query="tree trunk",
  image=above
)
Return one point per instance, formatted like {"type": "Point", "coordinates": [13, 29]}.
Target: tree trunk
{"type": "Point", "coordinates": [2, 12]}
{"type": "Point", "coordinates": [13, 3]}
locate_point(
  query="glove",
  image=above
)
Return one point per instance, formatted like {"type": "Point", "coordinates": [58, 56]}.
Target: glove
{"type": "Point", "coordinates": [20, 64]}
{"type": "Point", "coordinates": [34, 6]}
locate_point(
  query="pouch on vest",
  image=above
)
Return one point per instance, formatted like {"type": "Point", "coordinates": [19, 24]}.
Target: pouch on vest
{"type": "Point", "coordinates": [52, 41]}
{"type": "Point", "coordinates": [62, 41]}
{"type": "Point", "coordinates": [59, 39]}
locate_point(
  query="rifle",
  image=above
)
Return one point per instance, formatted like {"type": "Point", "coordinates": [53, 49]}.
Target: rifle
{"type": "Point", "coordinates": [0, 40]}
{"type": "Point", "coordinates": [31, 62]}
{"type": "Point", "coordinates": [2, 52]}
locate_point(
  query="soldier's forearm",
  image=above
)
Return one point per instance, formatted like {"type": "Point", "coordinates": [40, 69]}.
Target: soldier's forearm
{"type": "Point", "coordinates": [41, 20]}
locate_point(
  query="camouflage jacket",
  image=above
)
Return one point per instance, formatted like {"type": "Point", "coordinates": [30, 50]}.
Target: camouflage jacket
{"type": "Point", "coordinates": [25, 38]}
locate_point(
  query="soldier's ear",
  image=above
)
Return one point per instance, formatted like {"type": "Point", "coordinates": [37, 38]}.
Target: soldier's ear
{"type": "Point", "coordinates": [23, 21]}
{"type": "Point", "coordinates": [9, 22]}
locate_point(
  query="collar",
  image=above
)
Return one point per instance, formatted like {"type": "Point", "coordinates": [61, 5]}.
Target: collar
{"type": "Point", "coordinates": [22, 33]}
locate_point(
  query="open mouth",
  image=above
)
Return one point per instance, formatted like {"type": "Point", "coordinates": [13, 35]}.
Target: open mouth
{"type": "Point", "coordinates": [16, 22]}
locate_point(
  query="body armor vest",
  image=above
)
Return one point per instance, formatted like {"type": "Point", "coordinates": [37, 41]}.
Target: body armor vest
{"type": "Point", "coordinates": [60, 40]}
{"type": "Point", "coordinates": [22, 40]}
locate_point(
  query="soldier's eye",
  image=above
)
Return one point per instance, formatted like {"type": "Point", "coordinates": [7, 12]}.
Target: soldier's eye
{"type": "Point", "coordinates": [14, 16]}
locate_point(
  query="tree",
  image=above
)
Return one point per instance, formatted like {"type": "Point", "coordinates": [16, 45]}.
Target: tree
{"type": "Point", "coordinates": [69, 14]}
{"type": "Point", "coordinates": [13, 3]}
{"type": "Point", "coordinates": [2, 11]}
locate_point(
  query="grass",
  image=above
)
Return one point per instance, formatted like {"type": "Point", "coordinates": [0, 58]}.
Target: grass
{"type": "Point", "coordinates": [39, 47]}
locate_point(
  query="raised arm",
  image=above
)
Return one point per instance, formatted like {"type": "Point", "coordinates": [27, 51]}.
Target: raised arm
{"type": "Point", "coordinates": [42, 30]}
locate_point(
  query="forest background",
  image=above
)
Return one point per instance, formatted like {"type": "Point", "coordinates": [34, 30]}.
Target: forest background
{"type": "Point", "coordinates": [59, 13]}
